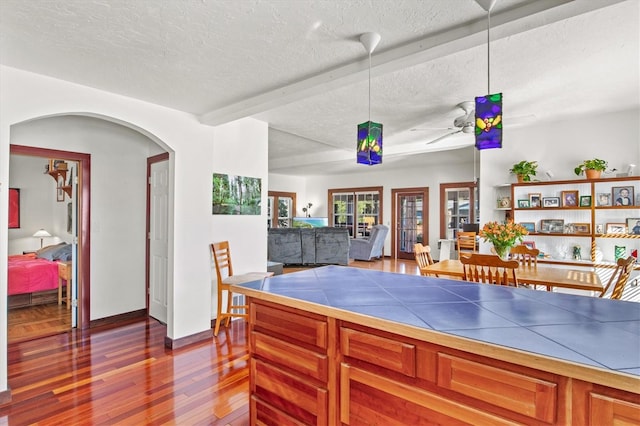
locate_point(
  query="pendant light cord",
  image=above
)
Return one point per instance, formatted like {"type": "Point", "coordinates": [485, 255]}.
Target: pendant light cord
{"type": "Point", "coordinates": [369, 86]}
{"type": "Point", "coordinates": [488, 52]}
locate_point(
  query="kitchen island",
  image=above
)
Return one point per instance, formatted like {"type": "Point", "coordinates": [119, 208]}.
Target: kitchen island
{"type": "Point", "coordinates": [339, 345]}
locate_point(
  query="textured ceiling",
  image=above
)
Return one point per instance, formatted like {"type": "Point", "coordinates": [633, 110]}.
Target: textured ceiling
{"type": "Point", "coordinates": [298, 64]}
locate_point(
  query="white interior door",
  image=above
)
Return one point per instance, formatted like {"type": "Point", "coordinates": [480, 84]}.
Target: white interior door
{"type": "Point", "coordinates": [158, 239]}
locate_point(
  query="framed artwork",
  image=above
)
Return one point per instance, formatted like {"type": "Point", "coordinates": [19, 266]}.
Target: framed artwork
{"type": "Point", "coordinates": [236, 195]}
{"type": "Point", "coordinates": [622, 195]}
{"type": "Point", "coordinates": [585, 201]}
{"type": "Point", "coordinates": [14, 208]}
{"type": "Point", "coordinates": [551, 202]}
{"type": "Point", "coordinates": [603, 199]}
{"type": "Point", "coordinates": [523, 204]}
{"type": "Point", "coordinates": [552, 226]}
{"type": "Point", "coordinates": [529, 226]}
{"type": "Point", "coordinates": [582, 228]}
{"type": "Point", "coordinates": [633, 225]}
{"type": "Point", "coordinates": [534, 199]}
{"type": "Point", "coordinates": [529, 244]}
{"type": "Point", "coordinates": [60, 191]}
{"type": "Point", "coordinates": [616, 228]}
{"type": "Point", "coordinates": [569, 198]}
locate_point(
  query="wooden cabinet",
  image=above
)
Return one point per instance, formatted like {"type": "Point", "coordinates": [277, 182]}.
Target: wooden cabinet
{"type": "Point", "coordinates": [577, 220]}
{"type": "Point", "coordinates": [309, 369]}
{"type": "Point", "coordinates": [290, 366]}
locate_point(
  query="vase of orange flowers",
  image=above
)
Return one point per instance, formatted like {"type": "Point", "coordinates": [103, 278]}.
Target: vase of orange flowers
{"type": "Point", "coordinates": [503, 236]}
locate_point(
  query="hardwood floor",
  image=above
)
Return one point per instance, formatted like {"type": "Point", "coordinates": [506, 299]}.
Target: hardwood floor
{"type": "Point", "coordinates": [124, 375]}
{"type": "Point", "coordinates": [37, 321]}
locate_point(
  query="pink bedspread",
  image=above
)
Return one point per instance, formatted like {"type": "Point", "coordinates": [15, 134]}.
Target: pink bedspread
{"type": "Point", "coordinates": [28, 274]}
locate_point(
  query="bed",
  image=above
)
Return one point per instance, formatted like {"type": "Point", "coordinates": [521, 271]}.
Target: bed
{"type": "Point", "coordinates": [30, 274]}
{"type": "Point", "coordinates": [33, 278]}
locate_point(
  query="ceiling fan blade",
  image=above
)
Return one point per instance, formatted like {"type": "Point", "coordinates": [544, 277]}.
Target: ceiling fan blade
{"type": "Point", "coordinates": [443, 137]}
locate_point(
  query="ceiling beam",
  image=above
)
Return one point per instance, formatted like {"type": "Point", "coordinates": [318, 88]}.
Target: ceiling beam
{"type": "Point", "coordinates": [505, 24]}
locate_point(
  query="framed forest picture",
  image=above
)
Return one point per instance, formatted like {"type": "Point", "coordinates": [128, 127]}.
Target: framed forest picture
{"type": "Point", "coordinates": [236, 195]}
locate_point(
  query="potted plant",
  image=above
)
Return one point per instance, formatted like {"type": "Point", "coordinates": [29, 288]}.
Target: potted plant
{"type": "Point", "coordinates": [591, 168]}
{"type": "Point", "coordinates": [524, 170]}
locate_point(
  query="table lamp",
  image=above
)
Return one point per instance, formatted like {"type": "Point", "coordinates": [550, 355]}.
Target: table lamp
{"type": "Point", "coordinates": [41, 233]}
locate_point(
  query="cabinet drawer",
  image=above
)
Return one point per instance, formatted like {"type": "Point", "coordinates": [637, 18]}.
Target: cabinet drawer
{"type": "Point", "coordinates": [369, 398]}
{"type": "Point", "coordinates": [264, 414]}
{"type": "Point", "coordinates": [388, 353]}
{"type": "Point", "coordinates": [607, 410]}
{"type": "Point", "coordinates": [292, 325]}
{"type": "Point", "coordinates": [284, 353]}
{"type": "Point", "coordinates": [516, 392]}
{"type": "Point", "coordinates": [290, 394]}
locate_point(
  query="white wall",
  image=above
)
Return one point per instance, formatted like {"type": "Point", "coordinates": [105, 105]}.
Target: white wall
{"type": "Point", "coordinates": [118, 201]}
{"type": "Point", "coordinates": [298, 185]}
{"type": "Point", "coordinates": [38, 205]}
{"type": "Point", "coordinates": [25, 96]}
{"type": "Point", "coordinates": [431, 177]}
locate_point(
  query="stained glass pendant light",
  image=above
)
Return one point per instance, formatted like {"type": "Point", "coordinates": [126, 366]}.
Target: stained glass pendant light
{"type": "Point", "coordinates": [488, 126]}
{"type": "Point", "coordinates": [369, 149]}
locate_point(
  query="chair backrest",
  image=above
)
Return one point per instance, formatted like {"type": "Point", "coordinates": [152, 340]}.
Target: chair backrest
{"type": "Point", "coordinates": [489, 268]}
{"type": "Point", "coordinates": [467, 241]}
{"type": "Point", "coordinates": [619, 277]}
{"type": "Point", "coordinates": [524, 255]}
{"type": "Point", "coordinates": [222, 259]}
{"type": "Point", "coordinates": [423, 255]}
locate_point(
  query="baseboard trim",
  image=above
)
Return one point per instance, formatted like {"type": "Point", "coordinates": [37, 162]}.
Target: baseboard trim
{"type": "Point", "coordinates": [187, 340]}
{"type": "Point", "coordinates": [5, 397]}
{"type": "Point", "coordinates": [118, 319]}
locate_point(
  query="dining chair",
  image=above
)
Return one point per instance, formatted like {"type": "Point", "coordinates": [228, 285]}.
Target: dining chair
{"type": "Point", "coordinates": [225, 277]}
{"type": "Point", "coordinates": [489, 269]}
{"type": "Point", "coordinates": [467, 242]}
{"type": "Point", "coordinates": [619, 277]}
{"type": "Point", "coordinates": [524, 255]}
{"type": "Point", "coordinates": [423, 257]}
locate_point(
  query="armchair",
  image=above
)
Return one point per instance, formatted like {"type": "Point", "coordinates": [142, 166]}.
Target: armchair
{"type": "Point", "coordinates": [369, 248]}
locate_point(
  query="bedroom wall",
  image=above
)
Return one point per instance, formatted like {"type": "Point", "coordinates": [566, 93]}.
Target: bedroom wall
{"type": "Point", "coordinates": [38, 205]}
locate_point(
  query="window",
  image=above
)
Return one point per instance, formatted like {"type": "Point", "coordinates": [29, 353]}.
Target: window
{"type": "Point", "coordinates": [458, 206]}
{"type": "Point", "coordinates": [357, 209]}
{"type": "Point", "coordinates": [281, 207]}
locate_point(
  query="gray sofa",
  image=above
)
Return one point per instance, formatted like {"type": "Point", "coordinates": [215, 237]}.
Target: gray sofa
{"type": "Point", "coordinates": [371, 247]}
{"type": "Point", "coordinates": [308, 246]}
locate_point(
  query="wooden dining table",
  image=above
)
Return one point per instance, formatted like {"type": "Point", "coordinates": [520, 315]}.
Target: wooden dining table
{"type": "Point", "coordinates": [542, 275]}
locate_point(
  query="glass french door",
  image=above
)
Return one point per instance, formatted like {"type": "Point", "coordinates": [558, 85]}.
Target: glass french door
{"type": "Point", "coordinates": [410, 221]}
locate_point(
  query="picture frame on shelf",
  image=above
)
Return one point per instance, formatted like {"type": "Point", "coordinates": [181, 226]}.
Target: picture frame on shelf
{"type": "Point", "coordinates": [534, 199]}
{"type": "Point", "coordinates": [585, 201]}
{"type": "Point", "coordinates": [529, 226]}
{"type": "Point", "coordinates": [551, 202]}
{"type": "Point", "coordinates": [633, 225]}
{"type": "Point", "coordinates": [616, 228]}
{"type": "Point", "coordinates": [570, 198]}
{"type": "Point", "coordinates": [504, 202]}
{"type": "Point", "coordinates": [523, 204]}
{"type": "Point", "coordinates": [529, 244]}
{"type": "Point", "coordinates": [603, 199]}
{"type": "Point", "coordinates": [622, 195]}
{"type": "Point", "coordinates": [552, 226]}
{"type": "Point", "coordinates": [582, 228]}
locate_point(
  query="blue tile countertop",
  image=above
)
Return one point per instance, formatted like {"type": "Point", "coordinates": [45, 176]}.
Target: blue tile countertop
{"type": "Point", "coordinates": [589, 331]}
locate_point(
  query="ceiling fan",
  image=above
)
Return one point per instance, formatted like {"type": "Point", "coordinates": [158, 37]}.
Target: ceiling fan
{"type": "Point", "coordinates": [462, 124]}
